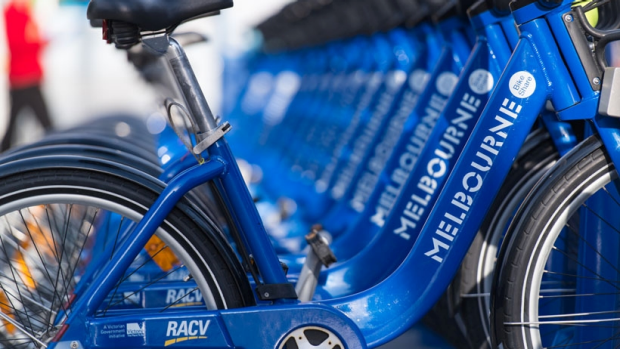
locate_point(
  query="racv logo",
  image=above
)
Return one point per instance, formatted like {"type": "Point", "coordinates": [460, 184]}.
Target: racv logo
{"type": "Point", "coordinates": [184, 297]}
{"type": "Point", "coordinates": [185, 330]}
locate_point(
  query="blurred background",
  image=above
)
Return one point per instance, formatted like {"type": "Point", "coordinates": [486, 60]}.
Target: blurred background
{"type": "Point", "coordinates": [85, 78]}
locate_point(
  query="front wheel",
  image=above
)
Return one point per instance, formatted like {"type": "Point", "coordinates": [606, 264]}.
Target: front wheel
{"type": "Point", "coordinates": [558, 282]}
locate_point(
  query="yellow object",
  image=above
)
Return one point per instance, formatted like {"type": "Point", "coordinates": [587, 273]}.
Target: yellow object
{"type": "Point", "coordinates": [182, 339]}
{"type": "Point", "coordinates": [592, 15]}
{"type": "Point", "coordinates": [7, 309]}
{"type": "Point", "coordinates": [161, 254]}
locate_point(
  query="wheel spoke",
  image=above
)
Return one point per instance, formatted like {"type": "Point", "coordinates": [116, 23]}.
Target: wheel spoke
{"type": "Point", "coordinates": [21, 329]}
{"type": "Point", "coordinates": [573, 230]}
{"type": "Point", "coordinates": [583, 266]}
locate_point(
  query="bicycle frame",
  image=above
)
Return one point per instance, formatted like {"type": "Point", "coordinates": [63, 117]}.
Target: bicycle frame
{"type": "Point", "coordinates": [535, 73]}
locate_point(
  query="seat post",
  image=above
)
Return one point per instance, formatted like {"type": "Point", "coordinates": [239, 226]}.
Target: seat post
{"type": "Point", "coordinates": [196, 101]}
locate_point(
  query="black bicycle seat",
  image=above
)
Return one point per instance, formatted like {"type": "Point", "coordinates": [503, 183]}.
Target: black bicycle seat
{"type": "Point", "coordinates": [153, 14]}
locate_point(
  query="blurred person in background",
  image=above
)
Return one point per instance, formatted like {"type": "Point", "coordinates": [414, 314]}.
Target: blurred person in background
{"type": "Point", "coordinates": [25, 70]}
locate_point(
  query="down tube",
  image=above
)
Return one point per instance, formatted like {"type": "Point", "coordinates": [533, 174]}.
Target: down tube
{"type": "Point", "coordinates": [389, 308]}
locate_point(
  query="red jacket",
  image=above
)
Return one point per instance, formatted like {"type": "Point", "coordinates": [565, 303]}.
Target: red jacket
{"type": "Point", "coordinates": [24, 45]}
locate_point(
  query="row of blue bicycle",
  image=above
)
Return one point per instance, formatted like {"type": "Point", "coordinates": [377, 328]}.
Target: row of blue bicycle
{"type": "Point", "coordinates": [394, 161]}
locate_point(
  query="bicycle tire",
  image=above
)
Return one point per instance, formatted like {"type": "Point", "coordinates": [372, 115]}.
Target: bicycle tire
{"type": "Point", "coordinates": [555, 204]}
{"type": "Point", "coordinates": [201, 250]}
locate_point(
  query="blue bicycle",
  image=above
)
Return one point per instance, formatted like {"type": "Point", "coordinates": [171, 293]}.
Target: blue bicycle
{"type": "Point", "coordinates": [59, 294]}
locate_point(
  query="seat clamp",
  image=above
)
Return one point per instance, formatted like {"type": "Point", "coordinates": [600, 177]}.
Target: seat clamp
{"type": "Point", "coordinates": [211, 137]}
{"type": "Point", "coordinates": [156, 42]}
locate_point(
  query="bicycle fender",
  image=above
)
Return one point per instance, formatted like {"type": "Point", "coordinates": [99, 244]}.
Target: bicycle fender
{"type": "Point", "coordinates": [90, 151]}
{"type": "Point", "coordinates": [75, 161]}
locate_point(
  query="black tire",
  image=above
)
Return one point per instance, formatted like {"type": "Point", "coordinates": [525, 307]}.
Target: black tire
{"type": "Point", "coordinates": [33, 203]}
{"type": "Point", "coordinates": [538, 265]}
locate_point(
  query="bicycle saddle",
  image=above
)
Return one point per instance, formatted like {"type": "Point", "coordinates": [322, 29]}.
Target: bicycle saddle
{"type": "Point", "coordinates": [153, 14]}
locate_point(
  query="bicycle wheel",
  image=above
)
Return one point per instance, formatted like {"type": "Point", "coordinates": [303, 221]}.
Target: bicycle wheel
{"type": "Point", "coordinates": [54, 223]}
{"type": "Point", "coordinates": [557, 282]}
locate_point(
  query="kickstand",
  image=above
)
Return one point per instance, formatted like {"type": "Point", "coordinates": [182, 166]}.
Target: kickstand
{"type": "Point", "coordinates": [319, 255]}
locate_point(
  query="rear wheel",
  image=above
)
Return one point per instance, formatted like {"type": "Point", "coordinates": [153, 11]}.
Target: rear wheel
{"type": "Point", "coordinates": [56, 224]}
